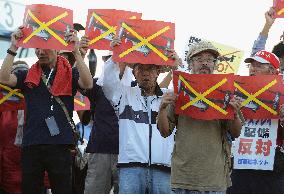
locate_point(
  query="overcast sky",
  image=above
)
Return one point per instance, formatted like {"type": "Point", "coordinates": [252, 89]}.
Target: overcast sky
{"type": "Point", "coordinates": [233, 22]}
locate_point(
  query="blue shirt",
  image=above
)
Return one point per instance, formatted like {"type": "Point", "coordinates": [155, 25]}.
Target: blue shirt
{"type": "Point", "coordinates": [38, 108]}
{"type": "Point", "coordinates": [104, 135]}
{"type": "Point", "coordinates": [259, 44]}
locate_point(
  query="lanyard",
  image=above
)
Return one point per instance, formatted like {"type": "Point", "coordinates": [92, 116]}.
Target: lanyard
{"type": "Point", "coordinates": [46, 83]}
{"type": "Point", "coordinates": [49, 75]}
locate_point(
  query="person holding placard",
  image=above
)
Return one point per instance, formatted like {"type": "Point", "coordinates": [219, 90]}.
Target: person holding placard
{"type": "Point", "coordinates": [201, 156]}
{"type": "Point", "coordinates": [47, 135]}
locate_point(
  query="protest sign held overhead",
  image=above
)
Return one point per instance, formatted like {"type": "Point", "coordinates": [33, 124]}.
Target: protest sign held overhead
{"type": "Point", "coordinates": [228, 62]}
{"type": "Point", "coordinates": [279, 8]}
{"type": "Point", "coordinates": [262, 95]}
{"type": "Point", "coordinates": [204, 96]}
{"type": "Point", "coordinates": [102, 24]}
{"type": "Point", "coordinates": [46, 27]}
{"type": "Point", "coordinates": [11, 99]}
{"type": "Point", "coordinates": [145, 42]}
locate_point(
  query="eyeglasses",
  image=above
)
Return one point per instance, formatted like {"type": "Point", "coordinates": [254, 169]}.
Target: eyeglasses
{"type": "Point", "coordinates": [202, 60]}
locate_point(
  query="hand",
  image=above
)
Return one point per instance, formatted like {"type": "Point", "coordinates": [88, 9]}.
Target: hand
{"type": "Point", "coordinates": [15, 36]}
{"type": "Point", "coordinates": [168, 98]}
{"type": "Point", "coordinates": [281, 115]}
{"type": "Point", "coordinates": [115, 42]}
{"type": "Point", "coordinates": [84, 45]}
{"type": "Point", "coordinates": [269, 16]}
{"type": "Point", "coordinates": [71, 37]}
{"type": "Point", "coordinates": [236, 103]}
{"type": "Point", "coordinates": [171, 53]}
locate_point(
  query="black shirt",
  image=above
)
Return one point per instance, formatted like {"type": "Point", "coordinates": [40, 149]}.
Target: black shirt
{"type": "Point", "coordinates": [104, 135]}
{"type": "Point", "coordinates": [38, 108]}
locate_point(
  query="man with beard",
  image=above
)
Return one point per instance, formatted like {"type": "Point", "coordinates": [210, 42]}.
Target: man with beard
{"type": "Point", "coordinates": [144, 156]}
{"type": "Point", "coordinates": [47, 134]}
{"type": "Point", "coordinates": [201, 157]}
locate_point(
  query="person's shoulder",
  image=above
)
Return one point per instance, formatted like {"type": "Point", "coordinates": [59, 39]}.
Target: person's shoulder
{"type": "Point", "coordinates": [21, 74]}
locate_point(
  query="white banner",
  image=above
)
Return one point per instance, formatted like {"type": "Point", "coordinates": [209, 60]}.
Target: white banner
{"type": "Point", "coordinates": [255, 148]}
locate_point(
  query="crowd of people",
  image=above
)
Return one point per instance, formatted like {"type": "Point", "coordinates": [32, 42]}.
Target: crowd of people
{"type": "Point", "coordinates": [131, 141]}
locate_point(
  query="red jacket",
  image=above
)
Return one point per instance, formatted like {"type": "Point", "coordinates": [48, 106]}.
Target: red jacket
{"type": "Point", "coordinates": [10, 155]}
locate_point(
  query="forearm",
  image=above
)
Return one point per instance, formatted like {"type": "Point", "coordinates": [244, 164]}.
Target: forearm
{"type": "Point", "coordinates": [5, 72]}
{"type": "Point", "coordinates": [84, 73]}
{"type": "Point", "coordinates": [235, 127]}
{"type": "Point", "coordinates": [163, 123]}
{"type": "Point", "coordinates": [112, 86]}
{"type": "Point", "coordinates": [166, 81]}
{"type": "Point", "coordinates": [6, 69]}
{"type": "Point", "coordinates": [265, 29]}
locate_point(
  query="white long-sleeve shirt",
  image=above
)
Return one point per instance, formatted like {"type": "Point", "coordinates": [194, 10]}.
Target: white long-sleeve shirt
{"type": "Point", "coordinates": [139, 139]}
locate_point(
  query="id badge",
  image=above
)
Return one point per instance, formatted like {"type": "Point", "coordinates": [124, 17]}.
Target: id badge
{"type": "Point", "coordinates": [52, 126]}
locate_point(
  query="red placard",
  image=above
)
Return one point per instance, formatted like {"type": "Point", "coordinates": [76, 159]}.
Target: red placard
{"type": "Point", "coordinates": [203, 96]}
{"type": "Point", "coordinates": [262, 95]}
{"type": "Point", "coordinates": [11, 99]}
{"type": "Point", "coordinates": [279, 8]}
{"type": "Point", "coordinates": [81, 102]}
{"type": "Point", "coordinates": [145, 42]}
{"type": "Point", "coordinates": [102, 23]}
{"type": "Point", "coordinates": [45, 26]}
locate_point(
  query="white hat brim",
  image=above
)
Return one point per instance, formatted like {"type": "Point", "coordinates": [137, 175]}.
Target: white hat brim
{"type": "Point", "coordinates": [256, 58]}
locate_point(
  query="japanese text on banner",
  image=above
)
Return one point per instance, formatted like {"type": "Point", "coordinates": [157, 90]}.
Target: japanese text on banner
{"type": "Point", "coordinates": [255, 148]}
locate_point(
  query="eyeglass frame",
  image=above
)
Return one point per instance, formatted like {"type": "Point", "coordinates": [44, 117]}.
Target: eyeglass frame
{"type": "Point", "coordinates": [200, 60]}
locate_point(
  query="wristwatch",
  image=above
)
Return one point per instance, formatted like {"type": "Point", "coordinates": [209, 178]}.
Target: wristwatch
{"type": "Point", "coordinates": [11, 52]}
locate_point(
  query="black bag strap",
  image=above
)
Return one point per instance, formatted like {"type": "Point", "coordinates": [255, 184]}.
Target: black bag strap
{"type": "Point", "coordinates": [83, 133]}
{"type": "Point", "coordinates": [61, 103]}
